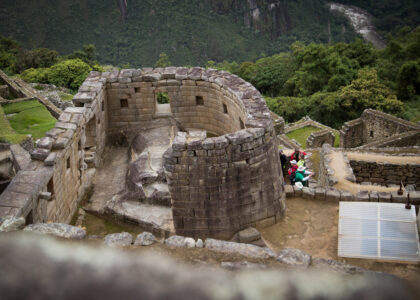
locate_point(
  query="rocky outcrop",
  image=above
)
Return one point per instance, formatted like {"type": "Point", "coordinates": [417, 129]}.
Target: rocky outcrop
{"type": "Point", "coordinates": [122, 239]}
{"type": "Point", "coordinates": [57, 229]}
{"type": "Point", "coordinates": [12, 224]}
{"type": "Point", "coordinates": [239, 248]}
{"type": "Point", "coordinates": [145, 239]}
{"type": "Point", "coordinates": [294, 257]}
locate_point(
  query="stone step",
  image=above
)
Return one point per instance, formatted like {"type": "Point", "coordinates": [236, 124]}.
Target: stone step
{"type": "Point", "coordinates": [152, 218]}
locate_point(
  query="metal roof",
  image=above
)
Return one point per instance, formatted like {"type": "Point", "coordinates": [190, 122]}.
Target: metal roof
{"type": "Point", "coordinates": [382, 231]}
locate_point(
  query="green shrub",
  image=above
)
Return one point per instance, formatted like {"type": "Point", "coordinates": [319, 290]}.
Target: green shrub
{"type": "Point", "coordinates": [39, 75]}
{"type": "Point", "coordinates": [69, 73]}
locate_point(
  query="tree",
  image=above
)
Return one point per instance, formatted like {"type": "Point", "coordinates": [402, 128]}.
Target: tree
{"type": "Point", "coordinates": [70, 73]}
{"type": "Point", "coordinates": [408, 80]}
{"type": "Point", "coordinates": [163, 61]}
{"type": "Point", "coordinates": [37, 58]}
{"type": "Point", "coordinates": [367, 92]}
{"type": "Point", "coordinates": [87, 54]}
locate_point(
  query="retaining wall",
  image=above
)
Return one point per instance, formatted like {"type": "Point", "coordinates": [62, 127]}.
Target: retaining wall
{"type": "Point", "coordinates": [386, 173]}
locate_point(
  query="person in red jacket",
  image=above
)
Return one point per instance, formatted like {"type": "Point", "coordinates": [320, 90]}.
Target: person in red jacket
{"type": "Point", "coordinates": [298, 155]}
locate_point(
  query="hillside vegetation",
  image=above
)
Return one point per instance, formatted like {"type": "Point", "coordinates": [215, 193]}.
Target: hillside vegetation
{"type": "Point", "coordinates": [190, 32]}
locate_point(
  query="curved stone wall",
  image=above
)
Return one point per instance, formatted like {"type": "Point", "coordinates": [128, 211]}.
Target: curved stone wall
{"type": "Point", "coordinates": [218, 185]}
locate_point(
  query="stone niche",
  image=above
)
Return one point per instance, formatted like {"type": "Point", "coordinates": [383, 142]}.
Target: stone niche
{"type": "Point", "coordinates": [218, 184]}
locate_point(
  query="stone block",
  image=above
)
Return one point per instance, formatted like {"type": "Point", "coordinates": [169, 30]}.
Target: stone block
{"type": "Point", "coordinates": [320, 193]}
{"type": "Point", "coordinates": [373, 196]}
{"type": "Point", "coordinates": [395, 198]}
{"type": "Point", "coordinates": [51, 158]}
{"type": "Point", "coordinates": [249, 235]}
{"type": "Point", "coordinates": [332, 195]}
{"type": "Point", "coordinates": [346, 196]}
{"type": "Point", "coordinates": [40, 154]}
{"type": "Point", "coordinates": [362, 196]}
{"type": "Point", "coordinates": [308, 193]}
{"type": "Point", "coordinates": [384, 197]}
{"type": "Point", "coordinates": [45, 143]}
{"type": "Point", "coordinates": [298, 192]}
{"type": "Point", "coordinates": [290, 192]}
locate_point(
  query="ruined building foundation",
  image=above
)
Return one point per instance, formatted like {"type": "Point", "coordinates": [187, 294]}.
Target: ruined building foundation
{"type": "Point", "coordinates": [222, 167]}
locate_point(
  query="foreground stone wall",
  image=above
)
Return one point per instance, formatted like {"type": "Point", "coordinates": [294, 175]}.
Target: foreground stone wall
{"type": "Point", "coordinates": [386, 173]}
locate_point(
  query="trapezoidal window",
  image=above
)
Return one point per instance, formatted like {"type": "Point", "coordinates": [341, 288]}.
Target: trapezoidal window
{"type": "Point", "coordinates": [68, 165]}
{"type": "Point", "coordinates": [225, 110]}
{"type": "Point", "coordinates": [371, 133]}
{"type": "Point", "coordinates": [163, 103]}
{"type": "Point", "coordinates": [199, 100]}
{"type": "Point", "coordinates": [123, 103]}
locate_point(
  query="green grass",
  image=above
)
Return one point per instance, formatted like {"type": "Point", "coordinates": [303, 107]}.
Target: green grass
{"type": "Point", "coordinates": [7, 134]}
{"type": "Point", "coordinates": [65, 96]}
{"type": "Point", "coordinates": [302, 134]}
{"type": "Point", "coordinates": [31, 118]}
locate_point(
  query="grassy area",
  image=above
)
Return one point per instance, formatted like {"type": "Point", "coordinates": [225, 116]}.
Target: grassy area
{"type": "Point", "coordinates": [65, 96]}
{"type": "Point", "coordinates": [30, 117]}
{"type": "Point", "coordinates": [7, 134]}
{"type": "Point", "coordinates": [303, 133]}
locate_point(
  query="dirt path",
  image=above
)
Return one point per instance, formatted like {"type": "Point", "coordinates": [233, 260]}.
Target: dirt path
{"type": "Point", "coordinates": [384, 158]}
{"type": "Point", "coordinates": [338, 165]}
{"type": "Point", "coordinates": [110, 178]}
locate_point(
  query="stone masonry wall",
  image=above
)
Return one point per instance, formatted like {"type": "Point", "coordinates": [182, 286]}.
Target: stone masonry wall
{"type": "Point", "coordinates": [405, 139]}
{"type": "Point", "coordinates": [49, 188]}
{"type": "Point", "coordinates": [377, 125]}
{"type": "Point", "coordinates": [132, 99]}
{"type": "Point", "coordinates": [351, 134]}
{"type": "Point", "coordinates": [386, 173]}
{"type": "Point", "coordinates": [317, 139]}
{"type": "Point", "coordinates": [224, 184]}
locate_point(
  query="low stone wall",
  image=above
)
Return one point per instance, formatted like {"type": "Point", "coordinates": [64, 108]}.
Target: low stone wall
{"type": "Point", "coordinates": [304, 122]}
{"type": "Point", "coordinates": [386, 173]}
{"type": "Point", "coordinates": [331, 194]}
{"type": "Point", "coordinates": [319, 138]}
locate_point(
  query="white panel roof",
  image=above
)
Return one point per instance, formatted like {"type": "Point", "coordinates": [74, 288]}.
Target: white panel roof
{"type": "Point", "coordinates": [382, 231]}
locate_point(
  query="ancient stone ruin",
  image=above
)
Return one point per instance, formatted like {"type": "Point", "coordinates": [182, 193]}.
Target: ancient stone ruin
{"type": "Point", "coordinates": [209, 155]}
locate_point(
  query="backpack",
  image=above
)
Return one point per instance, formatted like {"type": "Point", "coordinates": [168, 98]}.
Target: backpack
{"type": "Point", "coordinates": [293, 178]}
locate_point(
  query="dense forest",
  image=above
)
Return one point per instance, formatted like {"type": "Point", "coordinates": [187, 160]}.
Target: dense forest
{"type": "Point", "coordinates": [191, 32]}
{"type": "Point", "coordinates": [331, 83]}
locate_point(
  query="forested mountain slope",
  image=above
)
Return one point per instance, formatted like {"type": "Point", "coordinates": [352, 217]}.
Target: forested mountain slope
{"type": "Point", "coordinates": [191, 32]}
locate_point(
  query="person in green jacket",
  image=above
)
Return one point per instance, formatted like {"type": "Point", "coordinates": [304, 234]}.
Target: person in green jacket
{"type": "Point", "coordinates": [302, 175]}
